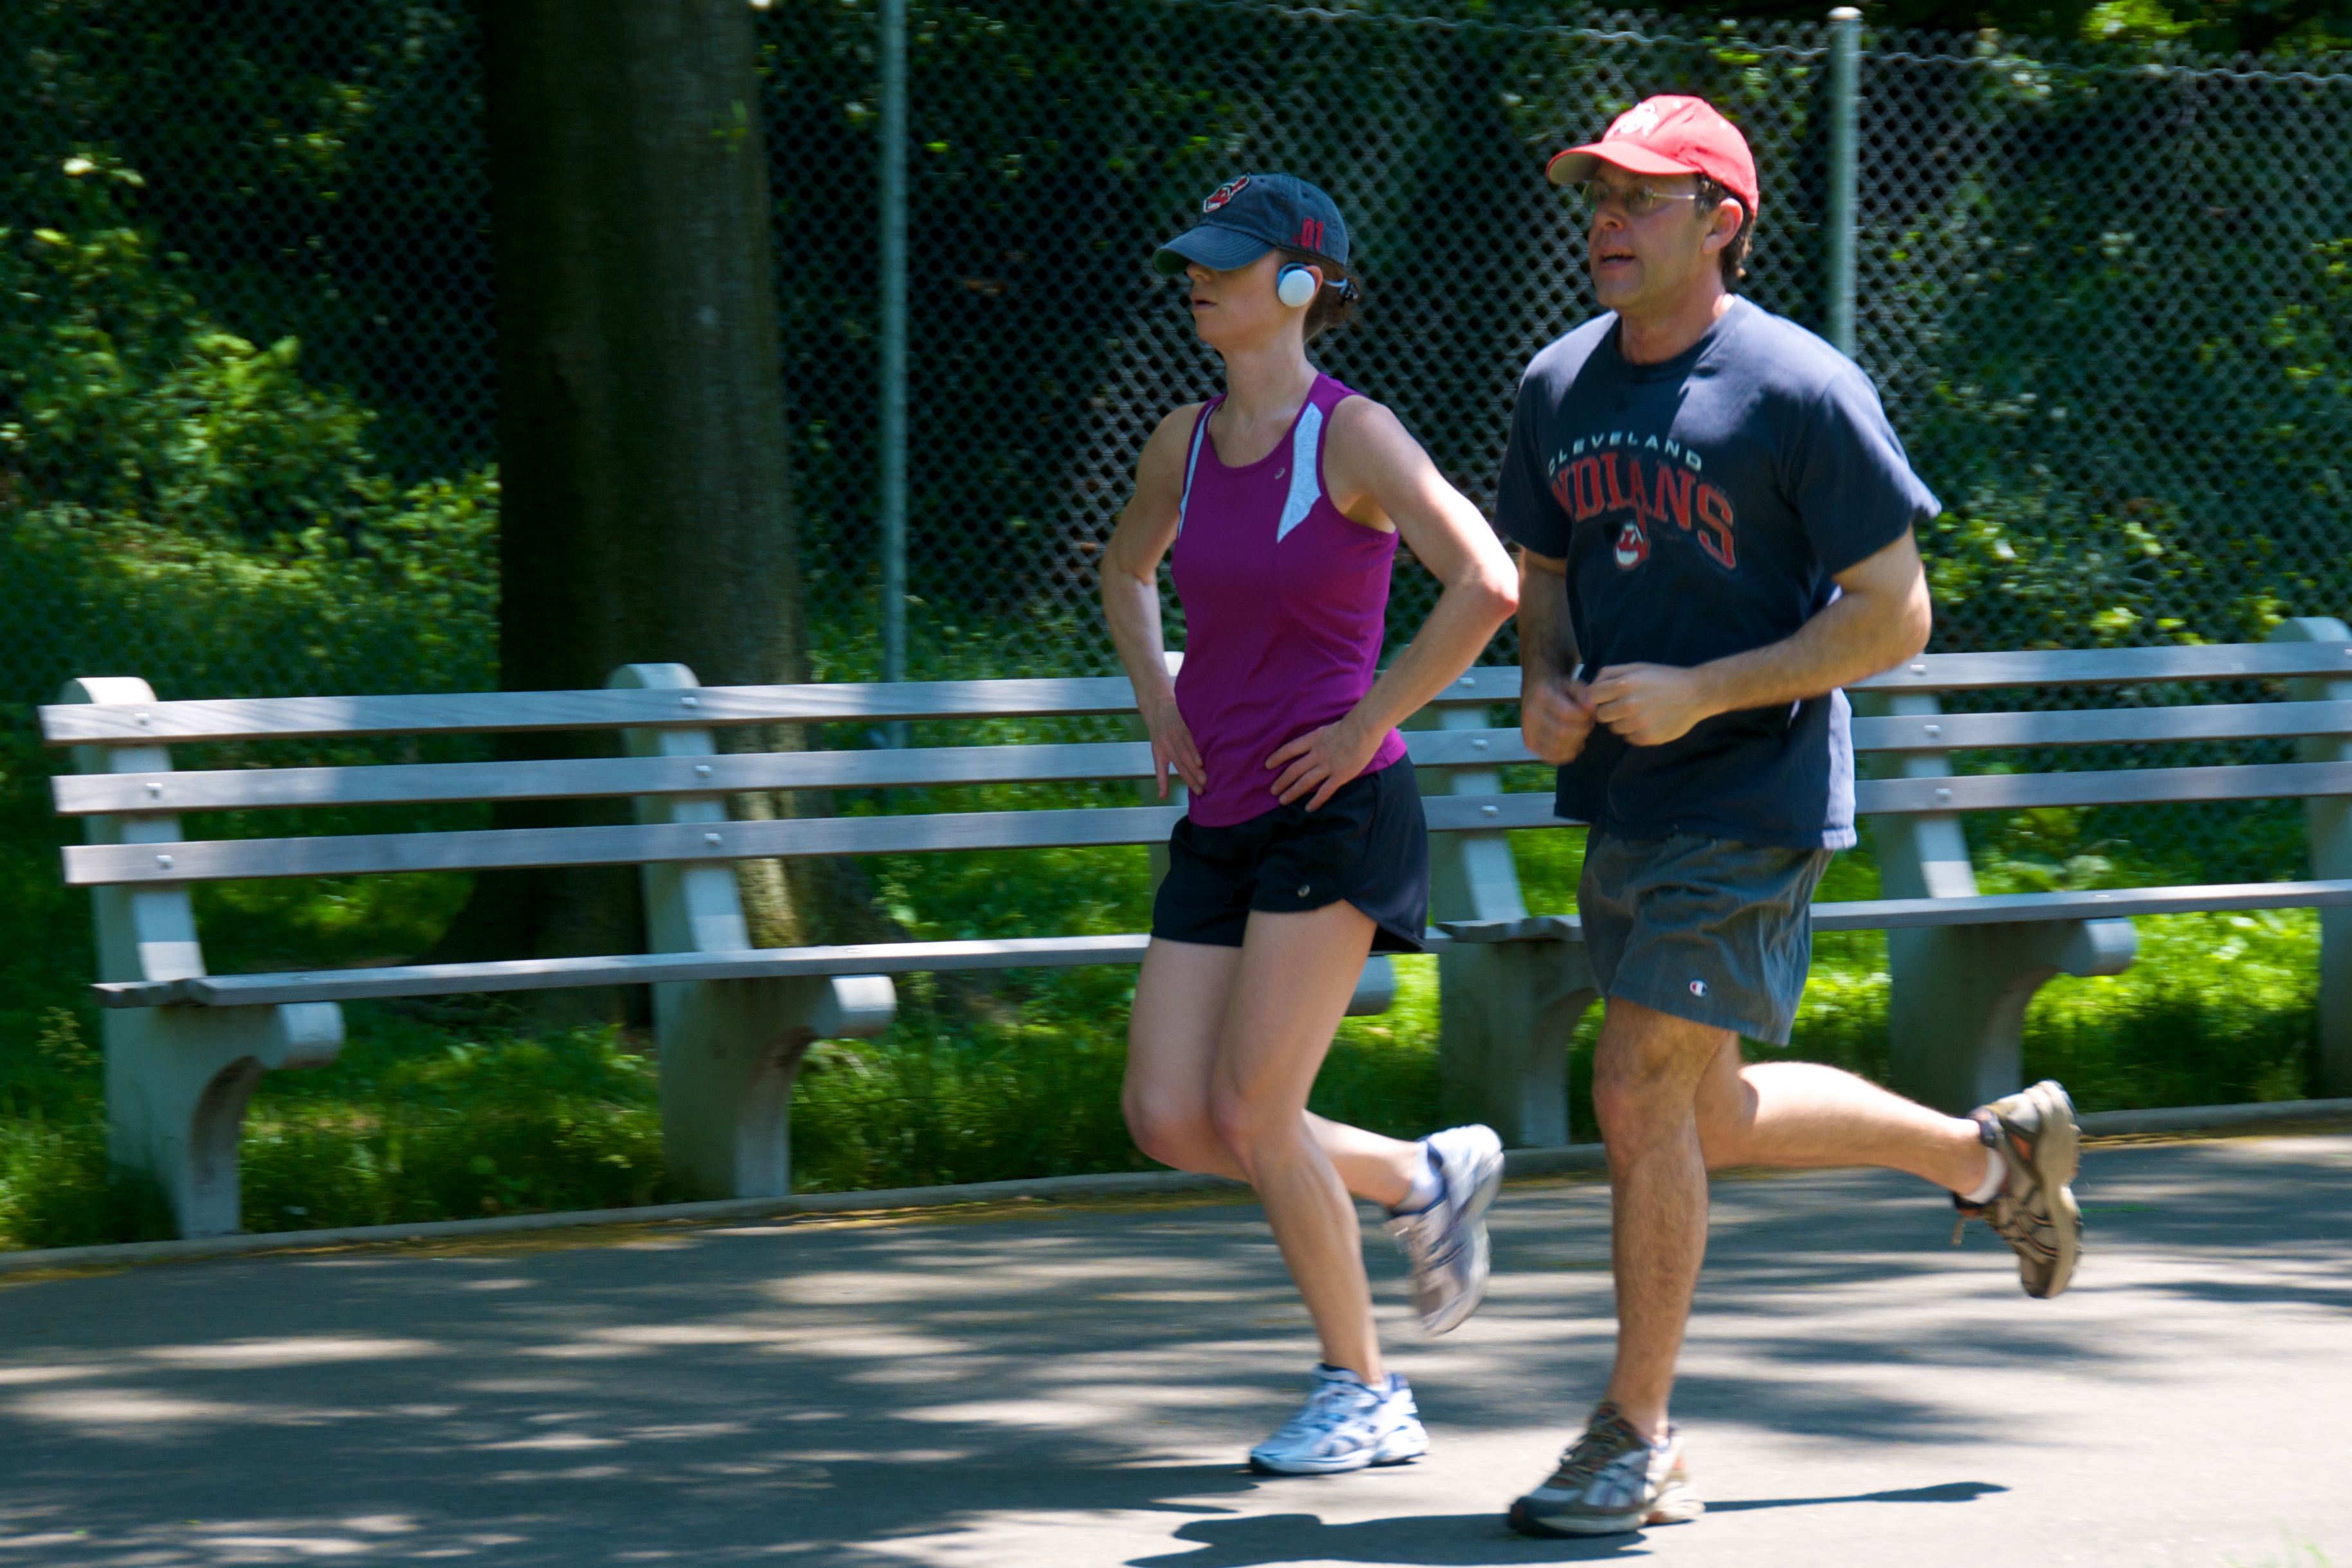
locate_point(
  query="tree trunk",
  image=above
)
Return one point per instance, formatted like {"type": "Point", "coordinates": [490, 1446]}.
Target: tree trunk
{"type": "Point", "coordinates": [645, 510]}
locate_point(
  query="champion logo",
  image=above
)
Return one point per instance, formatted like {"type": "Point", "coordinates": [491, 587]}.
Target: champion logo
{"type": "Point", "coordinates": [1632, 546]}
{"type": "Point", "coordinates": [1698, 987]}
{"type": "Point", "coordinates": [1225, 194]}
{"type": "Point", "coordinates": [1642, 117]}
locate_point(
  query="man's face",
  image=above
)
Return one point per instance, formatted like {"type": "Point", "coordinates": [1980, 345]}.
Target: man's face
{"type": "Point", "coordinates": [1649, 241]}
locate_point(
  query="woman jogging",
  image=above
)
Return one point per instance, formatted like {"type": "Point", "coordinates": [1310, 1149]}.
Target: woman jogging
{"type": "Point", "coordinates": [1304, 848]}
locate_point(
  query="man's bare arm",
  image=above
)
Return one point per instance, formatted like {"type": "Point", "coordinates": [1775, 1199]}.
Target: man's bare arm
{"type": "Point", "coordinates": [1555, 714]}
{"type": "Point", "coordinates": [1881, 618]}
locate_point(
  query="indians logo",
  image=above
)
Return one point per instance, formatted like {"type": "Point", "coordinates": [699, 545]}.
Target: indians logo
{"type": "Point", "coordinates": [1632, 547]}
{"type": "Point", "coordinates": [1606, 477]}
{"type": "Point", "coordinates": [1225, 194]}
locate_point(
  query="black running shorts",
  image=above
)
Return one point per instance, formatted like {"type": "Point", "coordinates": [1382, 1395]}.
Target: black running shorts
{"type": "Point", "coordinates": [1369, 845]}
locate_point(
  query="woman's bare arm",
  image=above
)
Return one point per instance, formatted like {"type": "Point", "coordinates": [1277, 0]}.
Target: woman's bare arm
{"type": "Point", "coordinates": [1379, 475]}
{"type": "Point", "coordinates": [1130, 595]}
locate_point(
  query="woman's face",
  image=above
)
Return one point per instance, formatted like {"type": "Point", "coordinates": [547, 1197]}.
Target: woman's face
{"type": "Point", "coordinates": [1240, 310]}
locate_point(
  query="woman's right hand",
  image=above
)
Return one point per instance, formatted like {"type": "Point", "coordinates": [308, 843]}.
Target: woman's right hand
{"type": "Point", "coordinates": [1171, 747]}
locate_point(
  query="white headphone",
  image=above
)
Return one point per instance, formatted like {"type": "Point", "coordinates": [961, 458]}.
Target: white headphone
{"type": "Point", "coordinates": [1294, 286]}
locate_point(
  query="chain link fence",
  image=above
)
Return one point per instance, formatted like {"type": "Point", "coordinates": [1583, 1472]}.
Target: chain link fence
{"type": "Point", "coordinates": [247, 388]}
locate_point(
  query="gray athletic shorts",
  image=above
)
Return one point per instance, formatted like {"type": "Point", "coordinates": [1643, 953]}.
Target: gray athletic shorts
{"type": "Point", "coordinates": [1710, 930]}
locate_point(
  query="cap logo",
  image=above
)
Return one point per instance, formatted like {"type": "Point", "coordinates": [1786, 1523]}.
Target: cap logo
{"type": "Point", "coordinates": [1310, 234]}
{"type": "Point", "coordinates": [1642, 117]}
{"type": "Point", "coordinates": [1225, 194]}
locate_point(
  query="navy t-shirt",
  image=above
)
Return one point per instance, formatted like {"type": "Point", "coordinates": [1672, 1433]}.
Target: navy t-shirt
{"type": "Point", "coordinates": [1702, 506]}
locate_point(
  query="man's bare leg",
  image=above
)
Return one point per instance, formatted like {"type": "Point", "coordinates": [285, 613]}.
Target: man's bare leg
{"type": "Point", "coordinates": [1676, 1101]}
{"type": "Point", "coordinates": [1799, 1115]}
{"type": "Point", "coordinates": [1646, 1072]}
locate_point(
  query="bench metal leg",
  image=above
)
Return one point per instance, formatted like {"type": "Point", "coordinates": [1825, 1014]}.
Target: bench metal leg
{"type": "Point", "coordinates": [2327, 820]}
{"type": "Point", "coordinates": [729, 1052]}
{"type": "Point", "coordinates": [1507, 1012]}
{"type": "Point", "coordinates": [1958, 1009]}
{"type": "Point", "coordinates": [177, 1079]}
{"type": "Point", "coordinates": [729, 1049]}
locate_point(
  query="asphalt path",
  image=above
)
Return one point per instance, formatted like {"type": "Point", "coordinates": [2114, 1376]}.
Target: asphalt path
{"type": "Point", "coordinates": [1036, 1385]}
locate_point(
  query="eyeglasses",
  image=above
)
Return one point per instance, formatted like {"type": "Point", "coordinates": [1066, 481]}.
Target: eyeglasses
{"type": "Point", "coordinates": [1639, 201]}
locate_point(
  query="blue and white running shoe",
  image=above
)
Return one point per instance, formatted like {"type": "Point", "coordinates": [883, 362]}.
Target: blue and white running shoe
{"type": "Point", "coordinates": [1345, 1425]}
{"type": "Point", "coordinates": [1446, 1242]}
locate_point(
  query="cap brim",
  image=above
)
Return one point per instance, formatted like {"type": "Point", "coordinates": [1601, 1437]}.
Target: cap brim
{"type": "Point", "coordinates": [1577, 165]}
{"type": "Point", "coordinates": [1214, 245]}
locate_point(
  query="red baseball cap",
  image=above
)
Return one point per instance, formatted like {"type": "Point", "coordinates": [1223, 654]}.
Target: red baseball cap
{"type": "Point", "coordinates": [1667, 135]}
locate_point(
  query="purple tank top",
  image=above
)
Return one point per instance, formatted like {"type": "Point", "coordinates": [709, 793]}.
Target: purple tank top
{"type": "Point", "coordinates": [1284, 602]}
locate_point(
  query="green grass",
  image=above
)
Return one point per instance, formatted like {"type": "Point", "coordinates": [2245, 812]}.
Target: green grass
{"type": "Point", "coordinates": [465, 1107]}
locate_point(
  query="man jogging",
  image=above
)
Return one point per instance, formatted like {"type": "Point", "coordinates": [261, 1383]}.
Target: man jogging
{"type": "Point", "coordinates": [1715, 523]}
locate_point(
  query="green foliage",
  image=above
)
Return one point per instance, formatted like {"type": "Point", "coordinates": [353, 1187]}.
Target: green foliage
{"type": "Point", "coordinates": [125, 398]}
{"type": "Point", "coordinates": [177, 499]}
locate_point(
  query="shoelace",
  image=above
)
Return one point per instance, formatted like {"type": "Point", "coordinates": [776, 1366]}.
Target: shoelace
{"type": "Point", "coordinates": [1598, 1449]}
{"type": "Point", "coordinates": [1326, 1411]}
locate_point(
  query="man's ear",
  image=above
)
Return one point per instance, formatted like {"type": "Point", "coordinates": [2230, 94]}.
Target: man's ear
{"type": "Point", "coordinates": [1723, 225]}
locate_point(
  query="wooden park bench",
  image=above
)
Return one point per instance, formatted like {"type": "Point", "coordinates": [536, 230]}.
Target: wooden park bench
{"type": "Point", "coordinates": [184, 1048]}
{"type": "Point", "coordinates": [1963, 965]}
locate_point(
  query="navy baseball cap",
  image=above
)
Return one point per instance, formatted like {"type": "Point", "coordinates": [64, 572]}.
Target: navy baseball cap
{"type": "Point", "coordinates": [1245, 217]}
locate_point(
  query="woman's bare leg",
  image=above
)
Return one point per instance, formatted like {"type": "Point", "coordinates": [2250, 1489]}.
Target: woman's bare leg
{"type": "Point", "coordinates": [1180, 1002]}
{"type": "Point", "coordinates": [1288, 994]}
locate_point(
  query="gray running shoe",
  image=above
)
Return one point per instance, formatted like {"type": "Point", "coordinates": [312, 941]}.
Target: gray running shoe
{"type": "Point", "coordinates": [1446, 1242]}
{"type": "Point", "coordinates": [2035, 1212]}
{"type": "Point", "coordinates": [1611, 1482]}
{"type": "Point", "coordinates": [1346, 1425]}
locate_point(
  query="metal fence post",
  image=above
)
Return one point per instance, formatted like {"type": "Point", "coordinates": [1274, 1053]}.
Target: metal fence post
{"type": "Point", "coordinates": [1845, 40]}
{"type": "Point", "coordinates": [894, 345]}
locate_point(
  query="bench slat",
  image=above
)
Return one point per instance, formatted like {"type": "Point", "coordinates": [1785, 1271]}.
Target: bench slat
{"type": "Point", "coordinates": [1990, 909]}
{"type": "Point", "coordinates": [235, 789]}
{"type": "Point", "coordinates": [504, 712]}
{"type": "Point", "coordinates": [626, 969]}
{"type": "Point", "coordinates": [227, 859]}
{"type": "Point", "coordinates": [2112, 667]}
{"type": "Point", "coordinates": [208, 860]}
{"type": "Point", "coordinates": [219, 859]}
{"type": "Point", "coordinates": [901, 958]}
{"type": "Point", "coordinates": [459, 714]}
{"type": "Point", "coordinates": [2115, 786]}
{"type": "Point", "coordinates": [2103, 726]}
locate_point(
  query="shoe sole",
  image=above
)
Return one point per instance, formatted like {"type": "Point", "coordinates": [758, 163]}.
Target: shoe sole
{"type": "Point", "coordinates": [1677, 1504]}
{"type": "Point", "coordinates": [1263, 1467]}
{"type": "Point", "coordinates": [2057, 1157]}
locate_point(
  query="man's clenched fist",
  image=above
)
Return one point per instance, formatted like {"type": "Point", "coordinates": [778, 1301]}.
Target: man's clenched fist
{"type": "Point", "coordinates": [1555, 717]}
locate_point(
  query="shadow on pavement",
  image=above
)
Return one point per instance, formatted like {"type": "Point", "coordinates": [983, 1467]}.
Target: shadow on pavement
{"type": "Point", "coordinates": [738, 1392]}
{"type": "Point", "coordinates": [1448, 1540]}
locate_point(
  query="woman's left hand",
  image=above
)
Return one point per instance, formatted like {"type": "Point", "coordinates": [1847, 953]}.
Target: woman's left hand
{"type": "Point", "coordinates": [1321, 760]}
